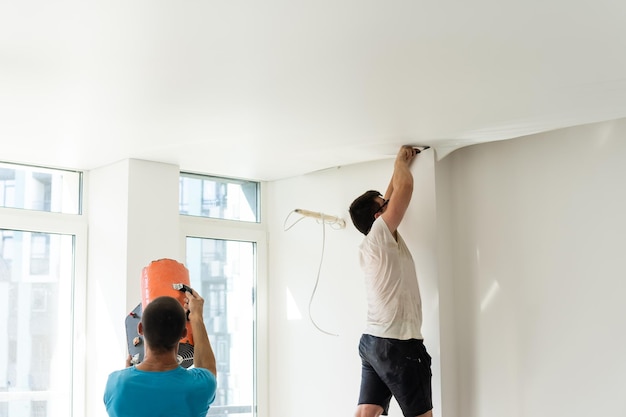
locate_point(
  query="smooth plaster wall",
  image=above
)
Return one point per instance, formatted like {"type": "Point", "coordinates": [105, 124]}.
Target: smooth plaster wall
{"type": "Point", "coordinates": [520, 265]}
{"type": "Point", "coordinates": [531, 252]}
{"type": "Point", "coordinates": [312, 373]}
{"type": "Point", "coordinates": [132, 208]}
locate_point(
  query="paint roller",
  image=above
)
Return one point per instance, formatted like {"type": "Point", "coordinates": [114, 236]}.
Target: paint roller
{"type": "Point", "coordinates": [161, 277]}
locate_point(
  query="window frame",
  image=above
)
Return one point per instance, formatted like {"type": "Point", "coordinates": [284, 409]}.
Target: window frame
{"type": "Point", "coordinates": [46, 208]}
{"type": "Point", "coordinates": [212, 228]}
{"type": "Point", "coordinates": [226, 180]}
{"type": "Point", "coordinates": [67, 224]}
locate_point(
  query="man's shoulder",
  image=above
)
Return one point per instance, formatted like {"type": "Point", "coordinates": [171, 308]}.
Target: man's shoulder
{"type": "Point", "coordinates": [202, 373]}
{"type": "Point", "coordinates": [199, 370]}
{"type": "Point", "coordinates": [120, 373]}
{"type": "Point", "coordinates": [379, 232]}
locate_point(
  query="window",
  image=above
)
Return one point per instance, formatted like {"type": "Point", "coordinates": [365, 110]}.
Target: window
{"type": "Point", "coordinates": [37, 346]}
{"type": "Point", "coordinates": [42, 269]}
{"type": "Point", "coordinates": [225, 277]}
{"type": "Point", "coordinates": [41, 189]}
{"type": "Point", "coordinates": [219, 198]}
{"type": "Point", "coordinates": [39, 254]}
{"type": "Point", "coordinates": [226, 263]}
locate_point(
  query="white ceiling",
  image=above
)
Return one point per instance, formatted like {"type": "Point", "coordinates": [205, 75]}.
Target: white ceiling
{"type": "Point", "coordinates": [270, 89]}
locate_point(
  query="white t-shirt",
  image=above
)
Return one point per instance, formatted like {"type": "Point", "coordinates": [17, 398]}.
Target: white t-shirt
{"type": "Point", "coordinates": [394, 305]}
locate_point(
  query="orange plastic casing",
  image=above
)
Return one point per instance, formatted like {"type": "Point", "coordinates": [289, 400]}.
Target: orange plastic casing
{"type": "Point", "coordinates": [157, 280]}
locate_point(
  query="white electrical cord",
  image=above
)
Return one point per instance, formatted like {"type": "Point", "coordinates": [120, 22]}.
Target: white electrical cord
{"type": "Point", "coordinates": [322, 220]}
{"type": "Point", "coordinates": [335, 223]}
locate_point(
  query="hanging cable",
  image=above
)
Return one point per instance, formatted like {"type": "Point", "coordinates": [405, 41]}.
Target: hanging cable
{"type": "Point", "coordinates": [335, 223]}
{"type": "Point", "coordinates": [317, 280]}
{"type": "Point", "coordinates": [285, 228]}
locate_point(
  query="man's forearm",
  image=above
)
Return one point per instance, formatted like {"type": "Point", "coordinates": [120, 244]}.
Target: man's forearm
{"type": "Point", "coordinates": [402, 177]}
{"type": "Point", "coordinates": [203, 356]}
{"type": "Point", "coordinates": [389, 190]}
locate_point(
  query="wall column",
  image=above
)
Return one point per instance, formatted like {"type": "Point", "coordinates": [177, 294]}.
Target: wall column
{"type": "Point", "coordinates": [132, 207]}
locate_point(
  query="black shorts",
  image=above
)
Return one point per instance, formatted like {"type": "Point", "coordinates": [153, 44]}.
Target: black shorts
{"type": "Point", "coordinates": [395, 367]}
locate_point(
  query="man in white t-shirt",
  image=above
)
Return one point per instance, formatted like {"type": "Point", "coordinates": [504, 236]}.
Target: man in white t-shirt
{"type": "Point", "coordinates": [394, 359]}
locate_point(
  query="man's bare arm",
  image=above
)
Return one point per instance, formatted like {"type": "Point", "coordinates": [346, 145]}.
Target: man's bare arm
{"type": "Point", "coordinates": [203, 356]}
{"type": "Point", "coordinates": [400, 188]}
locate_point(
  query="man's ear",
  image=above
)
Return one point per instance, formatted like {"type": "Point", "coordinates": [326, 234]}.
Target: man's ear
{"type": "Point", "coordinates": [140, 328]}
{"type": "Point", "coordinates": [184, 333]}
{"type": "Point", "coordinates": [377, 214]}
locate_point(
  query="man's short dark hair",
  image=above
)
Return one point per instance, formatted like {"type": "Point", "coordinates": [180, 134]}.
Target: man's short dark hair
{"type": "Point", "coordinates": [363, 210]}
{"type": "Point", "coordinates": [163, 322]}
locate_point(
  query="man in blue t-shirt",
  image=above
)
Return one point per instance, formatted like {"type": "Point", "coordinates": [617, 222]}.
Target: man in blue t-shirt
{"type": "Point", "coordinates": [159, 386]}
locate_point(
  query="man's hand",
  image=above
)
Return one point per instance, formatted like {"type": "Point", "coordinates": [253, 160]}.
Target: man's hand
{"type": "Point", "coordinates": [194, 305]}
{"type": "Point", "coordinates": [406, 154]}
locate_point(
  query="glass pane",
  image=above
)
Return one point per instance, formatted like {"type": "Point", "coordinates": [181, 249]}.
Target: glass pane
{"type": "Point", "coordinates": [41, 189]}
{"type": "Point", "coordinates": [36, 275]}
{"type": "Point", "coordinates": [219, 198]}
{"type": "Point", "coordinates": [223, 272]}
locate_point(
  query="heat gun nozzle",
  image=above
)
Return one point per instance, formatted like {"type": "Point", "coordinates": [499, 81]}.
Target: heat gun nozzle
{"type": "Point", "coordinates": [181, 287]}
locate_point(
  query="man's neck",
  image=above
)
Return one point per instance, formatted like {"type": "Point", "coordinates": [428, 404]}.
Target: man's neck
{"type": "Point", "coordinates": [159, 361]}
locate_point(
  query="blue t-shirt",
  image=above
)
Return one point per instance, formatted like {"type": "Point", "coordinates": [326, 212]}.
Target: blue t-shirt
{"type": "Point", "coordinates": [181, 392]}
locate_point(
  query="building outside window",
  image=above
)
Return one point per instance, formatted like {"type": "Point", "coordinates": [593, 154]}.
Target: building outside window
{"type": "Point", "coordinates": [37, 284]}
{"type": "Point", "coordinates": [40, 189]}
{"type": "Point", "coordinates": [223, 267]}
{"type": "Point", "coordinates": [219, 198]}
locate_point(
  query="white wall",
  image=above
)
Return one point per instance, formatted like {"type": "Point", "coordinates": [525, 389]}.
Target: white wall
{"type": "Point", "coordinates": [520, 266]}
{"type": "Point", "coordinates": [133, 220]}
{"type": "Point", "coordinates": [133, 217]}
{"type": "Point", "coordinates": [312, 373]}
{"type": "Point", "coordinates": [531, 256]}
